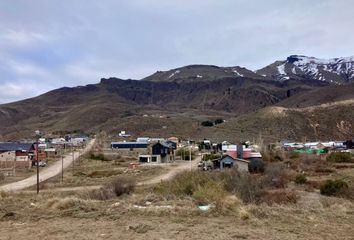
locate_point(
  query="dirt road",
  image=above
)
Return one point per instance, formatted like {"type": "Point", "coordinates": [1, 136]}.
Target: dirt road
{"type": "Point", "coordinates": [183, 167]}
{"type": "Point", "coordinates": [45, 173]}
{"type": "Point", "coordinates": [166, 176]}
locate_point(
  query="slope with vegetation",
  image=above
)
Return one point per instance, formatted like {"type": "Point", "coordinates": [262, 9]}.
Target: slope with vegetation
{"type": "Point", "coordinates": [178, 101]}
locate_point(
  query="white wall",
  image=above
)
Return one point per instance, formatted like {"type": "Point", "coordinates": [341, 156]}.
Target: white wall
{"type": "Point", "coordinates": [242, 166]}
{"type": "Point", "coordinates": [8, 156]}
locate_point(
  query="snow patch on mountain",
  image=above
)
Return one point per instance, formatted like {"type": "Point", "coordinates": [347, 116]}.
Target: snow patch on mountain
{"type": "Point", "coordinates": [237, 73]}
{"type": "Point", "coordinates": [320, 68]}
{"type": "Point", "coordinates": [281, 69]}
{"type": "Point", "coordinates": [312, 66]}
{"type": "Point", "coordinates": [174, 73]}
{"type": "Point", "coordinates": [293, 70]}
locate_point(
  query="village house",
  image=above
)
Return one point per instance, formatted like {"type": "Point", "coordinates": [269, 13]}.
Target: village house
{"type": "Point", "coordinates": [229, 162]}
{"type": "Point", "coordinates": [76, 141]}
{"type": "Point", "coordinates": [123, 134]}
{"type": "Point", "coordinates": [143, 139]}
{"type": "Point", "coordinates": [58, 141]}
{"type": "Point", "coordinates": [166, 150]}
{"type": "Point", "coordinates": [16, 155]}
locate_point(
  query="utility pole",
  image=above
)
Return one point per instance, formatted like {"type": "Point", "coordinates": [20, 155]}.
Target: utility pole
{"type": "Point", "coordinates": [72, 153]}
{"type": "Point", "coordinates": [62, 168]}
{"type": "Point", "coordinates": [79, 157]}
{"type": "Point", "coordinates": [37, 158]}
{"type": "Point", "coordinates": [14, 170]}
{"type": "Point", "coordinates": [190, 154]}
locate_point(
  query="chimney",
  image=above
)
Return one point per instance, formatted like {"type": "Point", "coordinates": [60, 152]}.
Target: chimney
{"type": "Point", "coordinates": [240, 151]}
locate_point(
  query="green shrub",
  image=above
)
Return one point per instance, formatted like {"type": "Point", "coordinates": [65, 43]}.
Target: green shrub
{"type": "Point", "coordinates": [184, 184]}
{"type": "Point", "coordinates": [218, 121]}
{"type": "Point", "coordinates": [294, 155]}
{"type": "Point", "coordinates": [2, 176]}
{"type": "Point", "coordinates": [247, 187]}
{"type": "Point", "coordinates": [184, 154]}
{"type": "Point", "coordinates": [207, 123]}
{"type": "Point", "coordinates": [256, 166]}
{"type": "Point", "coordinates": [208, 157]}
{"type": "Point", "coordinates": [277, 158]}
{"type": "Point", "coordinates": [300, 178]}
{"type": "Point", "coordinates": [122, 185]}
{"type": "Point", "coordinates": [340, 157]}
{"type": "Point", "coordinates": [210, 192]}
{"type": "Point", "coordinates": [216, 186]}
{"type": "Point", "coordinates": [333, 187]}
{"type": "Point", "coordinates": [98, 156]}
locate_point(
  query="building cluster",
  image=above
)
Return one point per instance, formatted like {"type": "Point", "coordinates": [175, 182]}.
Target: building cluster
{"type": "Point", "coordinates": [160, 150]}
{"type": "Point", "coordinates": [319, 147]}
{"type": "Point", "coordinates": [153, 150]}
{"type": "Point", "coordinates": [27, 154]}
{"type": "Point", "coordinates": [232, 155]}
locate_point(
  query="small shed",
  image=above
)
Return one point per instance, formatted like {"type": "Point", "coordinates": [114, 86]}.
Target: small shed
{"type": "Point", "coordinates": [224, 162]}
{"type": "Point", "coordinates": [229, 162]}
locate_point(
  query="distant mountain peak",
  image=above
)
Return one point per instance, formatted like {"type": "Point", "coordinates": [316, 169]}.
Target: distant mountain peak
{"type": "Point", "coordinates": [334, 71]}
{"type": "Point", "coordinates": [199, 72]}
{"type": "Point", "coordinates": [301, 59]}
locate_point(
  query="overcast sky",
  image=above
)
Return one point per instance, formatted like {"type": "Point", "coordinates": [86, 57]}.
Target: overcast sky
{"type": "Point", "coordinates": [47, 44]}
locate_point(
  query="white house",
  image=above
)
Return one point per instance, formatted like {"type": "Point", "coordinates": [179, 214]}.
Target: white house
{"type": "Point", "coordinates": [149, 158]}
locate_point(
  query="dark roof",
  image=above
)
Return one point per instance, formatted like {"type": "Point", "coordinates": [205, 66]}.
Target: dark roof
{"type": "Point", "coordinates": [128, 143]}
{"type": "Point", "coordinates": [228, 156]}
{"type": "Point", "coordinates": [16, 146]}
{"type": "Point", "coordinates": [164, 144]}
{"type": "Point", "coordinates": [170, 144]}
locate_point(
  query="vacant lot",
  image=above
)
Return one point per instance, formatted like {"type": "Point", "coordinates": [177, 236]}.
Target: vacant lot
{"type": "Point", "coordinates": [272, 206]}
{"type": "Point", "coordinates": [88, 171]}
{"type": "Point", "coordinates": [144, 215]}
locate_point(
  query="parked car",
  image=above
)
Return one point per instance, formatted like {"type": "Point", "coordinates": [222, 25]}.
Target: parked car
{"type": "Point", "coordinates": [41, 163]}
{"type": "Point", "coordinates": [205, 165]}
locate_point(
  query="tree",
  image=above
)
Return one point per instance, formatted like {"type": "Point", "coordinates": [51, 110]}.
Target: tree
{"type": "Point", "coordinates": [218, 121]}
{"type": "Point", "coordinates": [207, 123]}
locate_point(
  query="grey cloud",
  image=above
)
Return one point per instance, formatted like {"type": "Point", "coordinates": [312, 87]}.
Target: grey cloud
{"type": "Point", "coordinates": [50, 44]}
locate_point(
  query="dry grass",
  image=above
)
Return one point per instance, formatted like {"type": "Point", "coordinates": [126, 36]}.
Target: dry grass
{"type": "Point", "coordinates": [117, 187]}
{"type": "Point", "coordinates": [136, 215]}
{"type": "Point", "coordinates": [279, 197]}
{"type": "Point", "coordinates": [63, 203]}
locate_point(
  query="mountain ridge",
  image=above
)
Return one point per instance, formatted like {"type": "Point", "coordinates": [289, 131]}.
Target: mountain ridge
{"type": "Point", "coordinates": [233, 93]}
{"type": "Point", "coordinates": [335, 71]}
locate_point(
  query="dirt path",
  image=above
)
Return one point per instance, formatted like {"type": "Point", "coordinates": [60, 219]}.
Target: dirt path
{"type": "Point", "coordinates": [46, 173]}
{"type": "Point", "coordinates": [183, 167]}
{"type": "Point", "coordinates": [166, 176]}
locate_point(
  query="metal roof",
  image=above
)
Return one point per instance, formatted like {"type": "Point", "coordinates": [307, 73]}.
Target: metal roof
{"type": "Point", "coordinates": [16, 146]}
{"type": "Point", "coordinates": [235, 159]}
{"type": "Point", "coordinates": [165, 144]}
{"type": "Point", "coordinates": [126, 143]}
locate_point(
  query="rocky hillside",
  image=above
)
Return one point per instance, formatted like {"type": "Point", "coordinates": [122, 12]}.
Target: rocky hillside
{"type": "Point", "coordinates": [333, 121]}
{"type": "Point", "coordinates": [198, 73]}
{"type": "Point", "coordinates": [319, 96]}
{"type": "Point", "coordinates": [334, 71]}
{"type": "Point", "coordinates": [175, 102]}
